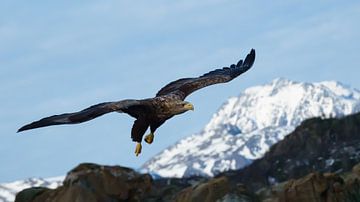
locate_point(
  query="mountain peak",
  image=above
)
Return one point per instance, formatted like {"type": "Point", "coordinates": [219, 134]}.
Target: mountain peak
{"type": "Point", "coordinates": [246, 126]}
{"type": "Point", "coordinates": [281, 81]}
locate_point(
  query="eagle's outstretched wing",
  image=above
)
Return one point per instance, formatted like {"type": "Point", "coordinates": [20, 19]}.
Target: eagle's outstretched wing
{"type": "Point", "coordinates": [184, 87]}
{"type": "Point", "coordinates": [85, 115]}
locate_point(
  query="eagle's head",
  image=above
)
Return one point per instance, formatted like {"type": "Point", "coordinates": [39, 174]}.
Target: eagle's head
{"type": "Point", "coordinates": [183, 106]}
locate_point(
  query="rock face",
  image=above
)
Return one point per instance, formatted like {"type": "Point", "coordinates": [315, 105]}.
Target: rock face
{"type": "Point", "coordinates": [95, 183]}
{"type": "Point", "coordinates": [91, 182]}
{"type": "Point", "coordinates": [315, 187]}
{"type": "Point", "coordinates": [217, 189]}
{"type": "Point", "coordinates": [213, 189]}
{"type": "Point", "coordinates": [317, 145]}
{"type": "Point", "coordinates": [246, 126]}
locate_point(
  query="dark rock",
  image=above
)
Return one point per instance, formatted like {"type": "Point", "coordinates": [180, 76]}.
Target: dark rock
{"type": "Point", "coordinates": [314, 187]}
{"type": "Point", "coordinates": [209, 191]}
{"type": "Point", "coordinates": [30, 194]}
{"type": "Point", "coordinates": [94, 183]}
{"type": "Point", "coordinates": [217, 189]}
{"type": "Point", "coordinates": [317, 145]}
{"type": "Point", "coordinates": [91, 182]}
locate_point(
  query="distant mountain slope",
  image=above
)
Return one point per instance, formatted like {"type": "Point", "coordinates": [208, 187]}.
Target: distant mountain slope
{"type": "Point", "coordinates": [9, 190]}
{"type": "Point", "coordinates": [246, 126]}
{"type": "Point", "coordinates": [317, 145]}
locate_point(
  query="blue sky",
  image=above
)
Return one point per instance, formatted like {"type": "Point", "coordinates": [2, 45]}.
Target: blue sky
{"type": "Point", "coordinates": [64, 56]}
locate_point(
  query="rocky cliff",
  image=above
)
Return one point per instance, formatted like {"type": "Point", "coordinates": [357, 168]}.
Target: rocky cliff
{"type": "Point", "coordinates": [317, 145]}
{"type": "Point", "coordinates": [96, 183]}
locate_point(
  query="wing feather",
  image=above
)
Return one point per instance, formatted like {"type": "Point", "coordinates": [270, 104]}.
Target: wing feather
{"type": "Point", "coordinates": [83, 115]}
{"type": "Point", "coordinates": [184, 87]}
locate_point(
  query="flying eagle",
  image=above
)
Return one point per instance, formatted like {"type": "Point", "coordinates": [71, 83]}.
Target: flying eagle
{"type": "Point", "coordinates": [151, 112]}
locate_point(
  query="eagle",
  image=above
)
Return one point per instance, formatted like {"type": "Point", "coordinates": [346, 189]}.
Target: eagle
{"type": "Point", "coordinates": [151, 112]}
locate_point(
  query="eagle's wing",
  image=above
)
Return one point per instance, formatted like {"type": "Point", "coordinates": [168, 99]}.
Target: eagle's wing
{"type": "Point", "coordinates": [184, 87]}
{"type": "Point", "coordinates": [86, 114]}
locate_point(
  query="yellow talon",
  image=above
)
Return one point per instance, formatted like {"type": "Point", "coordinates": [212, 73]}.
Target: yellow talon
{"type": "Point", "coordinates": [138, 149]}
{"type": "Point", "coordinates": [149, 138]}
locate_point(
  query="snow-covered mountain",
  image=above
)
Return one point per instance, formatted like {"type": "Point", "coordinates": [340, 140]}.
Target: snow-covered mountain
{"type": "Point", "coordinates": [9, 190]}
{"type": "Point", "coordinates": [246, 126]}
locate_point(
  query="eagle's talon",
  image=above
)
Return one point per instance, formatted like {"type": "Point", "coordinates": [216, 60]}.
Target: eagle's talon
{"type": "Point", "coordinates": [138, 149]}
{"type": "Point", "coordinates": [149, 138]}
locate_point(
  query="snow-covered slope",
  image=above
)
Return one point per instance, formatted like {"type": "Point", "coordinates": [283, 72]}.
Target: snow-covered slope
{"type": "Point", "coordinates": [246, 126]}
{"type": "Point", "coordinates": [9, 190]}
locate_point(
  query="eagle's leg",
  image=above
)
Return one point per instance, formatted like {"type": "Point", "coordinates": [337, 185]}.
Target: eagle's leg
{"type": "Point", "coordinates": [149, 138]}
{"type": "Point", "coordinates": [138, 148]}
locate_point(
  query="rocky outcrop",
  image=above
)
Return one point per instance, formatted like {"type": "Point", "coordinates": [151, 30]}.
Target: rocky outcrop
{"type": "Point", "coordinates": [91, 182]}
{"type": "Point", "coordinates": [328, 187]}
{"type": "Point", "coordinates": [209, 191]}
{"type": "Point", "coordinates": [317, 145]}
{"type": "Point", "coordinates": [217, 189]}
{"type": "Point", "coordinates": [95, 183]}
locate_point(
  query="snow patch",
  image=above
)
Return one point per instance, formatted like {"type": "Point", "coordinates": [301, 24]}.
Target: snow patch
{"type": "Point", "coordinates": [8, 191]}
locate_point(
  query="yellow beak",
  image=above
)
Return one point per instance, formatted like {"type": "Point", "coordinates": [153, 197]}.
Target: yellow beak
{"type": "Point", "coordinates": [189, 106]}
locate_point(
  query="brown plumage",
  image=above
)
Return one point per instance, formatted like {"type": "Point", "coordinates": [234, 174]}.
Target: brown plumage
{"type": "Point", "coordinates": [152, 112]}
